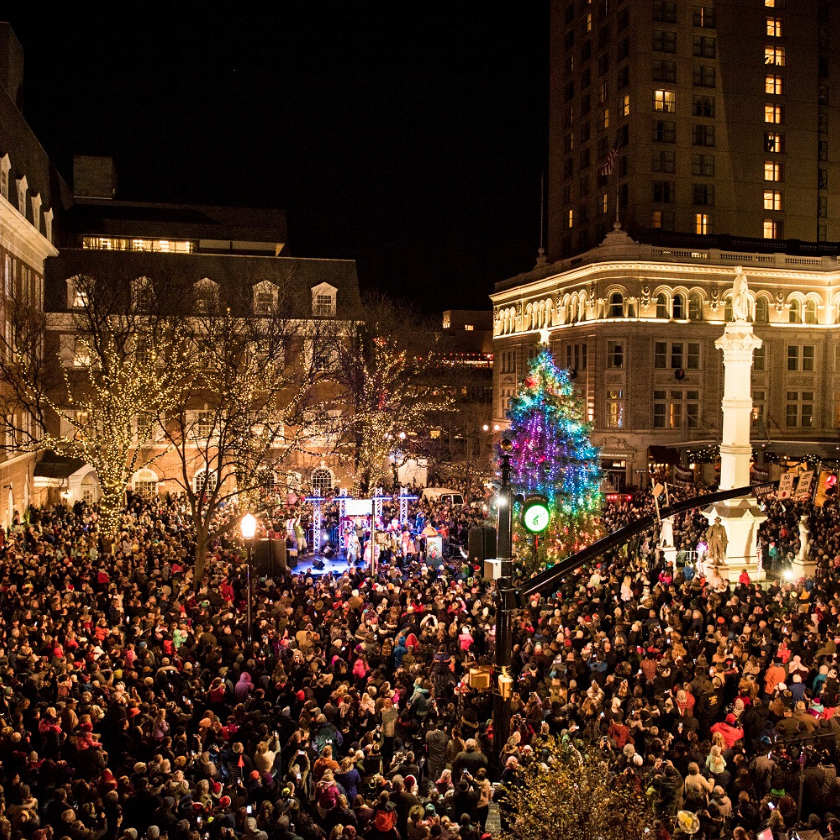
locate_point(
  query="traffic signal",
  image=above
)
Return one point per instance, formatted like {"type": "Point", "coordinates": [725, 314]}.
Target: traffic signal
{"type": "Point", "coordinates": [826, 487]}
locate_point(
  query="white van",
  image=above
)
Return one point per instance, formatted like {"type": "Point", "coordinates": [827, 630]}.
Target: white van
{"type": "Point", "coordinates": [443, 495]}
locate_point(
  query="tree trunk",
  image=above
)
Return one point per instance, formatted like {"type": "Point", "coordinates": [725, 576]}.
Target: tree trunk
{"type": "Point", "coordinates": [110, 510]}
{"type": "Point", "coordinates": [202, 538]}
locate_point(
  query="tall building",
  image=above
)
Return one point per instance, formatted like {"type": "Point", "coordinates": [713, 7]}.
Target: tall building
{"type": "Point", "coordinates": [724, 118]}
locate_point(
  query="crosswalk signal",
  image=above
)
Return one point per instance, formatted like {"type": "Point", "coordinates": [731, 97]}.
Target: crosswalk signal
{"type": "Point", "coordinates": [826, 487]}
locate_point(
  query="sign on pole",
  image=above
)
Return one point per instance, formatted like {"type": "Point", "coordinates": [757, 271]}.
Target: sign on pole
{"type": "Point", "coordinates": [786, 485]}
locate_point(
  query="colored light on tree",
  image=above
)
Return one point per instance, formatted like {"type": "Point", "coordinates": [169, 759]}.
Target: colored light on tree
{"type": "Point", "coordinates": [553, 455]}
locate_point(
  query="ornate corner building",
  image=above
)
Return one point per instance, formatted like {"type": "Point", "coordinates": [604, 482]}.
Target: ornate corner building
{"type": "Point", "coordinates": [636, 325]}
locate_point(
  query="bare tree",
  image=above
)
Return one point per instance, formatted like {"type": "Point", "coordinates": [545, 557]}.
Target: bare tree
{"type": "Point", "coordinates": [258, 396]}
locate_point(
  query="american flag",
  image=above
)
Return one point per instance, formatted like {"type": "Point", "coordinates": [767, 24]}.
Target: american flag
{"type": "Point", "coordinates": [607, 168]}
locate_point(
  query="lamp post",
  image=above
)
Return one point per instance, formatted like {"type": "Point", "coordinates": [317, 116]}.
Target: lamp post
{"type": "Point", "coordinates": [249, 528]}
{"type": "Point", "coordinates": [504, 613]}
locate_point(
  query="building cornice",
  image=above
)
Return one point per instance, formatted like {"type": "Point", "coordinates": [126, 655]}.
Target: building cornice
{"type": "Point", "coordinates": [21, 238]}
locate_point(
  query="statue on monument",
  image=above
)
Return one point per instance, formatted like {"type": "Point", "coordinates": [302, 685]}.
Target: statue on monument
{"type": "Point", "coordinates": [666, 532]}
{"type": "Point", "coordinates": [717, 540]}
{"type": "Point", "coordinates": [742, 306]}
{"type": "Point", "coordinates": [804, 539]}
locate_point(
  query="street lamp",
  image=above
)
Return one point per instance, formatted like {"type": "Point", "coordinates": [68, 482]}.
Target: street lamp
{"type": "Point", "coordinates": [249, 528]}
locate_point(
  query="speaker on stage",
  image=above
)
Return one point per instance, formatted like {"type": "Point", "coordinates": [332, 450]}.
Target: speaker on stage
{"type": "Point", "coordinates": [270, 557]}
{"type": "Point", "coordinates": [481, 544]}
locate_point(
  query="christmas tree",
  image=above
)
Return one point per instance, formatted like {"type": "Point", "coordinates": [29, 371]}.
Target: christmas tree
{"type": "Point", "coordinates": [553, 456]}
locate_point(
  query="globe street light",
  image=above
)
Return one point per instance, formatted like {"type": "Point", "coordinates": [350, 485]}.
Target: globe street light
{"type": "Point", "coordinates": [249, 528]}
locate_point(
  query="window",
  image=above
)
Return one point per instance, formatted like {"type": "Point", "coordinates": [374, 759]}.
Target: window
{"type": "Point", "coordinates": [703, 106]}
{"type": "Point", "coordinates": [623, 19]}
{"type": "Point", "coordinates": [822, 207]}
{"type": "Point", "coordinates": [615, 409]}
{"type": "Point", "coordinates": [664, 41]}
{"type": "Point", "coordinates": [774, 55]}
{"type": "Point", "coordinates": [799, 409]}
{"type": "Point", "coordinates": [323, 306]}
{"type": "Point", "coordinates": [665, 100]}
{"type": "Point", "coordinates": [322, 481]}
{"type": "Point", "coordinates": [760, 357]}
{"type": "Point", "coordinates": [704, 46]}
{"type": "Point", "coordinates": [664, 131]}
{"type": "Point", "coordinates": [604, 119]}
{"type": "Point", "coordinates": [623, 48]}
{"type": "Point", "coordinates": [623, 77]}
{"type": "Point", "coordinates": [703, 165]}
{"type": "Point", "coordinates": [205, 482]}
{"type": "Point", "coordinates": [704, 16]}
{"type": "Point", "coordinates": [624, 106]}
{"type": "Point", "coordinates": [810, 318]}
{"type": "Point", "coordinates": [616, 305]}
{"type": "Point", "coordinates": [758, 409]}
{"type": "Point", "coordinates": [676, 409]}
{"type": "Point", "coordinates": [615, 355]}
{"type": "Point", "coordinates": [5, 166]}
{"type": "Point", "coordinates": [603, 63]}
{"type": "Point", "coordinates": [662, 310]}
{"type": "Point", "coordinates": [678, 306]}
{"type": "Point", "coordinates": [774, 4]}
{"type": "Point", "coordinates": [585, 158]}
{"type": "Point", "coordinates": [774, 142]}
{"type": "Point", "coordinates": [603, 205]}
{"type": "Point", "coordinates": [772, 229]}
{"type": "Point", "coordinates": [704, 194]}
{"type": "Point", "coordinates": [774, 114]}
{"type": "Point", "coordinates": [663, 160]}
{"type": "Point", "coordinates": [774, 84]}
{"type": "Point", "coordinates": [762, 313]}
{"type": "Point", "coordinates": [773, 170]}
{"type": "Point", "coordinates": [662, 219]}
{"type": "Point", "coordinates": [703, 224]}
{"type": "Point", "coordinates": [703, 75]}
{"type": "Point", "coordinates": [822, 150]}
{"type": "Point", "coordinates": [775, 27]}
{"type": "Point", "coordinates": [570, 218]}
{"type": "Point", "coordinates": [81, 352]}
{"type": "Point", "coordinates": [703, 135]}
{"type": "Point", "coordinates": [822, 179]}
{"type": "Point", "coordinates": [665, 11]}
{"type": "Point", "coordinates": [695, 308]}
{"type": "Point", "coordinates": [204, 421]}
{"type": "Point", "coordinates": [664, 71]}
{"type": "Point", "coordinates": [663, 192]}
{"type": "Point", "coordinates": [772, 200]}
{"type": "Point", "coordinates": [822, 123]}
{"type": "Point", "coordinates": [587, 22]}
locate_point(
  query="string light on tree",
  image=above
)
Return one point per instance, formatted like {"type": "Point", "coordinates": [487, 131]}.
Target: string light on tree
{"type": "Point", "coordinates": [553, 456]}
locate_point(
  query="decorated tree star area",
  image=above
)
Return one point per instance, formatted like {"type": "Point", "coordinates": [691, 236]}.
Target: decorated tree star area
{"type": "Point", "coordinates": [553, 456]}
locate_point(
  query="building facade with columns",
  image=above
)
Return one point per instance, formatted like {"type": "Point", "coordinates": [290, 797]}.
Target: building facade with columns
{"type": "Point", "coordinates": [636, 325]}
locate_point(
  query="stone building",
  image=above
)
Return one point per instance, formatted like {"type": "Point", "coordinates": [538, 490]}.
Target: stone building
{"type": "Point", "coordinates": [636, 324]}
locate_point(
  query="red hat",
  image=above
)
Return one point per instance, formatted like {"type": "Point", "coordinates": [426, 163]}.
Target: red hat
{"type": "Point", "coordinates": [224, 802]}
{"type": "Point", "coordinates": [730, 719]}
{"type": "Point", "coordinates": [300, 695]}
{"type": "Point", "coordinates": [255, 774]}
{"type": "Point", "coordinates": [216, 788]}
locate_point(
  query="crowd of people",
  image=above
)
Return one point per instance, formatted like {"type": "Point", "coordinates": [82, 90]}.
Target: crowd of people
{"type": "Point", "coordinates": [132, 706]}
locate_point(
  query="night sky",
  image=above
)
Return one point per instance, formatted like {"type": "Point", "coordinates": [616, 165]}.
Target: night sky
{"type": "Point", "coordinates": [409, 136]}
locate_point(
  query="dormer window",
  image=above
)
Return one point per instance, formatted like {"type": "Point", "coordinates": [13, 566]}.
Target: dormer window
{"type": "Point", "coordinates": [22, 187]}
{"type": "Point", "coordinates": [5, 166]}
{"type": "Point", "coordinates": [323, 300]}
{"type": "Point", "coordinates": [206, 296]}
{"type": "Point", "coordinates": [48, 224]}
{"type": "Point", "coordinates": [77, 295]}
{"type": "Point", "coordinates": [142, 294]}
{"type": "Point", "coordinates": [36, 211]}
{"type": "Point", "coordinates": [264, 300]}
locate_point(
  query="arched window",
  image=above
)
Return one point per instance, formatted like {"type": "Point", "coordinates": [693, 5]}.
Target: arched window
{"type": "Point", "coordinates": [616, 305]}
{"type": "Point", "coordinates": [205, 482]}
{"type": "Point", "coordinates": [89, 489]}
{"type": "Point", "coordinates": [762, 311]}
{"type": "Point", "coordinates": [810, 312]}
{"type": "Point", "coordinates": [322, 481]}
{"type": "Point", "coordinates": [695, 308]}
{"type": "Point", "coordinates": [145, 483]}
{"type": "Point", "coordinates": [727, 309]}
{"type": "Point", "coordinates": [795, 312]}
{"type": "Point", "coordinates": [678, 306]}
{"type": "Point", "coordinates": [662, 306]}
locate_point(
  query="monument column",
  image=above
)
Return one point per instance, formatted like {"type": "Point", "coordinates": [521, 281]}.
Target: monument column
{"type": "Point", "coordinates": [740, 517]}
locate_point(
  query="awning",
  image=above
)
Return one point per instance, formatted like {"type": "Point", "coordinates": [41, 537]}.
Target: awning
{"type": "Point", "coordinates": [663, 455]}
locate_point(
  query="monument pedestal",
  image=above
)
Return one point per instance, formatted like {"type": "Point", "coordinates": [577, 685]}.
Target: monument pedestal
{"type": "Point", "coordinates": [741, 518]}
{"type": "Point", "coordinates": [670, 552]}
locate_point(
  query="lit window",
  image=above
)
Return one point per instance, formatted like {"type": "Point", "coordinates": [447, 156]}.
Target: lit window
{"type": "Point", "coordinates": [772, 200]}
{"type": "Point", "coordinates": [603, 205]}
{"type": "Point", "coordinates": [794, 317]}
{"type": "Point", "coordinates": [762, 316]}
{"type": "Point", "coordinates": [323, 306]}
{"type": "Point", "coordinates": [773, 170]}
{"type": "Point", "coordinates": [624, 105]}
{"type": "Point", "coordinates": [588, 22]}
{"type": "Point", "coordinates": [615, 409]}
{"type": "Point", "coordinates": [773, 114]}
{"type": "Point", "coordinates": [775, 27]}
{"type": "Point", "coordinates": [616, 305]}
{"type": "Point", "coordinates": [702, 223]}
{"type": "Point", "coordinates": [469, 327]}
{"type": "Point", "coordinates": [604, 119]}
{"type": "Point", "coordinates": [774, 84]}
{"type": "Point", "coordinates": [772, 229]}
{"type": "Point", "coordinates": [665, 100]}
{"type": "Point", "coordinates": [774, 55]}
{"type": "Point", "coordinates": [662, 308]}
{"type": "Point", "coordinates": [81, 352]}
{"type": "Point", "coordinates": [615, 354]}
{"type": "Point", "coordinates": [810, 318]}
{"type": "Point", "coordinates": [570, 219]}
{"type": "Point", "coordinates": [774, 142]}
